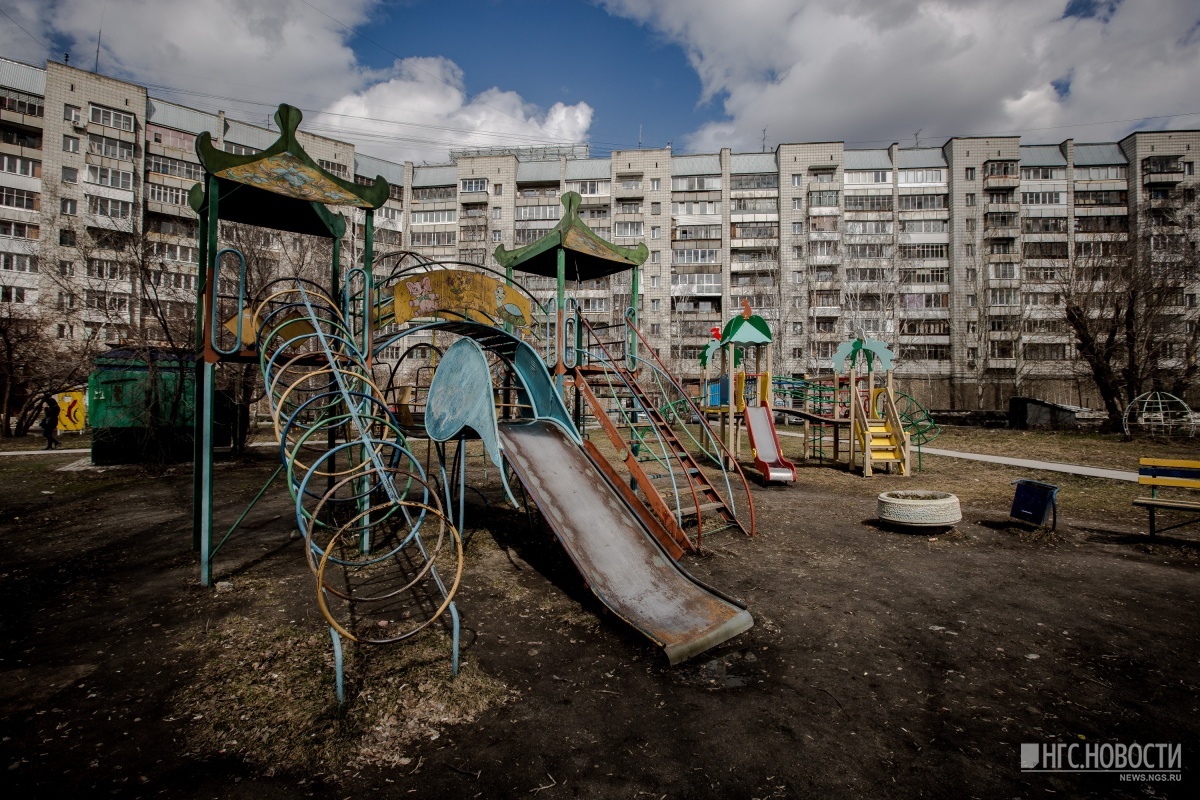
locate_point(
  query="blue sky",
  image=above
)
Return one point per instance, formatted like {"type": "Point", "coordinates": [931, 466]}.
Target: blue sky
{"type": "Point", "coordinates": [409, 79]}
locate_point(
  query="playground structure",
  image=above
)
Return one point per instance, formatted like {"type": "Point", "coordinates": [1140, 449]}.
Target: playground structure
{"type": "Point", "coordinates": [738, 397]}
{"type": "Point", "coordinates": [528, 381]}
{"type": "Point", "coordinates": [1159, 414]}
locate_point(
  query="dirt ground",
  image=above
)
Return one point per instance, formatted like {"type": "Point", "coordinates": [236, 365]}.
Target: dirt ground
{"type": "Point", "coordinates": [881, 663]}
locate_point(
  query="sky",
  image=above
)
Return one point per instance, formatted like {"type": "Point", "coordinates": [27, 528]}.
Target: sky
{"type": "Point", "coordinates": [411, 79]}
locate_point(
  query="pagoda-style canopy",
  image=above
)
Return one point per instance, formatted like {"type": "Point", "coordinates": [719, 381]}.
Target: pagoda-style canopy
{"type": "Point", "coordinates": [281, 187]}
{"type": "Point", "coordinates": [587, 256]}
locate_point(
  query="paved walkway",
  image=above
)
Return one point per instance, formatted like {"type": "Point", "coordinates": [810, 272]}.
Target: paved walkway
{"type": "Point", "coordinates": [59, 452]}
{"type": "Point", "coordinates": [1025, 463]}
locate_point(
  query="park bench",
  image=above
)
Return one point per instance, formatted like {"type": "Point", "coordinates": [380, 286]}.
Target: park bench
{"type": "Point", "coordinates": [1169, 473]}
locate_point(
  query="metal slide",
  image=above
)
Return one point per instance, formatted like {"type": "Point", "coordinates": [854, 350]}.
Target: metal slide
{"type": "Point", "coordinates": [768, 458]}
{"type": "Point", "coordinates": [613, 550]}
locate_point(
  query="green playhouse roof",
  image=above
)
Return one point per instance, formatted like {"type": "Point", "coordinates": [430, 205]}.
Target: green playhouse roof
{"type": "Point", "coordinates": [744, 329]}
{"type": "Point", "coordinates": [281, 187]}
{"type": "Point", "coordinates": [587, 255]}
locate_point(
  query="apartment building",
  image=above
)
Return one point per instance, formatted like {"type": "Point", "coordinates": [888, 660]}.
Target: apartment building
{"type": "Point", "coordinates": [955, 255]}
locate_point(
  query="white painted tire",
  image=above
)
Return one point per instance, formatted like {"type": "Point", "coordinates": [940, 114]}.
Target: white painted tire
{"type": "Point", "coordinates": [919, 509]}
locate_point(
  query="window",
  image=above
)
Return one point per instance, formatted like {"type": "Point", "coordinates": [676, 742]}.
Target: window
{"type": "Point", "coordinates": [921, 176]}
{"type": "Point", "coordinates": [695, 257]}
{"type": "Point", "coordinates": [534, 212]}
{"type": "Point", "coordinates": [18, 262]}
{"type": "Point", "coordinates": [823, 224]}
{"type": "Point", "coordinates": [498, 190]}
{"type": "Point", "coordinates": [969, 199]}
{"type": "Point", "coordinates": [21, 103]}
{"type": "Point", "coordinates": [438, 217]}
{"type": "Point", "coordinates": [116, 178]}
{"type": "Point", "coordinates": [73, 114]}
{"type": "Point", "coordinates": [497, 236]}
{"type": "Point", "coordinates": [656, 208]}
{"type": "Point", "coordinates": [628, 229]}
{"type": "Point", "coordinates": [18, 230]}
{"type": "Point", "coordinates": [823, 198]}
{"type": "Point", "coordinates": [761, 181]}
{"type": "Point", "coordinates": [1110, 198]}
{"type": "Point", "coordinates": [868, 176]}
{"type": "Point", "coordinates": [822, 248]}
{"type": "Point", "coordinates": [171, 138]}
{"type": "Point", "coordinates": [12, 294]}
{"type": "Point", "coordinates": [688, 232]}
{"type": "Point", "coordinates": [171, 195]}
{"type": "Point", "coordinates": [927, 275]}
{"type": "Point", "coordinates": [929, 300]}
{"type": "Point", "coordinates": [655, 304]}
{"type": "Point", "coordinates": [473, 185]}
{"type": "Point", "coordinates": [19, 198]}
{"type": "Point", "coordinates": [655, 232]}
{"type": "Point", "coordinates": [1004, 297]}
{"type": "Point", "coordinates": [70, 144]}
{"type": "Point", "coordinates": [655, 256]}
{"type": "Point", "coordinates": [70, 175]}
{"type": "Point", "coordinates": [822, 176]}
{"type": "Point", "coordinates": [696, 207]}
{"type": "Point", "coordinates": [1041, 198]}
{"type": "Point", "coordinates": [590, 188]}
{"type": "Point", "coordinates": [436, 238]}
{"type": "Point", "coordinates": [969, 249]}
{"type": "Point", "coordinates": [868, 251]}
{"type": "Point", "coordinates": [1046, 173]}
{"type": "Point", "coordinates": [1045, 249]}
{"type": "Point", "coordinates": [754, 230]}
{"type": "Point", "coordinates": [109, 147]}
{"type": "Point", "coordinates": [174, 166]}
{"type": "Point", "coordinates": [925, 352]}
{"type": "Point", "coordinates": [17, 165]}
{"type": "Point", "coordinates": [240, 149]}
{"type": "Point", "coordinates": [1004, 271]}
{"type": "Point", "coordinates": [175, 252]}
{"type": "Point", "coordinates": [1032, 224]}
{"type": "Point", "coordinates": [69, 207]}
{"type": "Point", "coordinates": [1105, 224]}
{"type": "Point", "coordinates": [798, 227]}
{"type": "Point", "coordinates": [110, 118]}
{"type": "Point", "coordinates": [629, 208]}
{"type": "Point", "coordinates": [754, 205]}
{"type": "Point", "coordinates": [108, 207]}
{"type": "Point", "coordinates": [868, 202]}
{"type": "Point", "coordinates": [655, 184]}
{"type": "Point", "coordinates": [969, 173]}
{"type": "Point", "coordinates": [696, 183]}
{"type": "Point", "coordinates": [1113, 173]}
{"type": "Point", "coordinates": [924, 251]}
{"type": "Point", "coordinates": [66, 237]}
{"type": "Point", "coordinates": [922, 202]}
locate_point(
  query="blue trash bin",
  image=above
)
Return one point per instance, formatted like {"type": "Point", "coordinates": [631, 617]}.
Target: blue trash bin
{"type": "Point", "coordinates": [1035, 502]}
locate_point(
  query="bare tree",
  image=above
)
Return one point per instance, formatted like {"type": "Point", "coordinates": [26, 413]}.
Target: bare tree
{"type": "Point", "coordinates": [1126, 300]}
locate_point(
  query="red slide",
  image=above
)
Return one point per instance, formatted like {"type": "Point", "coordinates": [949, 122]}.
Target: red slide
{"type": "Point", "coordinates": [768, 458]}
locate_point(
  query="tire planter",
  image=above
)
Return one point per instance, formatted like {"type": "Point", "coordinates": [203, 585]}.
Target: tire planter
{"type": "Point", "coordinates": [919, 509]}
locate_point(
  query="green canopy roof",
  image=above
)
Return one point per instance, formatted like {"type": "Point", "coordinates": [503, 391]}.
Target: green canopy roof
{"type": "Point", "coordinates": [587, 255]}
{"type": "Point", "coordinates": [744, 329]}
{"type": "Point", "coordinates": [281, 187]}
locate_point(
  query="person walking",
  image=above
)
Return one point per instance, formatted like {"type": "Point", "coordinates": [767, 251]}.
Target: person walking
{"type": "Point", "coordinates": [50, 423]}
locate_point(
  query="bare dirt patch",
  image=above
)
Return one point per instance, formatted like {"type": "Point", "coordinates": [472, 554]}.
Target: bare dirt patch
{"type": "Point", "coordinates": [881, 663]}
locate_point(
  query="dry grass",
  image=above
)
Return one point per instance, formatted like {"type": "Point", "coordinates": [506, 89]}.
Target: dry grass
{"type": "Point", "coordinates": [268, 696]}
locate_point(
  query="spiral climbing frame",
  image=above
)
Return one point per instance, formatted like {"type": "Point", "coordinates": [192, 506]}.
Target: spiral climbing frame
{"type": "Point", "coordinates": [385, 558]}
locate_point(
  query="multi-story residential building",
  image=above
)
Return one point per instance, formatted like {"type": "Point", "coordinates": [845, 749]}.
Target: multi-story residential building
{"type": "Point", "coordinates": [955, 255]}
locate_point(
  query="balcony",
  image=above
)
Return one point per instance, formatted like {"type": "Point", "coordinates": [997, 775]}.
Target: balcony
{"type": "Point", "coordinates": [825, 311]}
{"type": "Point", "coordinates": [1004, 258]}
{"type": "Point", "coordinates": [1003, 208]}
{"type": "Point", "coordinates": [1163, 176]}
{"type": "Point", "coordinates": [1002, 232]}
{"type": "Point", "coordinates": [1001, 181]}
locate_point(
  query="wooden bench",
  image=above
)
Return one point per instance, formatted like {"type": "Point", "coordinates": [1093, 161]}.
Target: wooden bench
{"type": "Point", "coordinates": [1168, 473]}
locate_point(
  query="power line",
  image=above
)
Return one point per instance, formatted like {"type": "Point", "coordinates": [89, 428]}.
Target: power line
{"type": "Point", "coordinates": [45, 46]}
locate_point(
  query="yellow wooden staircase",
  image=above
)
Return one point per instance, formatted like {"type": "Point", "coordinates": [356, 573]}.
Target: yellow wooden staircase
{"type": "Point", "coordinates": [881, 439]}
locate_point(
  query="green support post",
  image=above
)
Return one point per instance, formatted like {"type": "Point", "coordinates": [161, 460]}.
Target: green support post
{"type": "Point", "coordinates": [205, 387]}
{"type": "Point", "coordinates": [560, 366]}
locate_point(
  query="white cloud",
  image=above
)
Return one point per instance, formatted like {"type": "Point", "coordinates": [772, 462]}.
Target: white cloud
{"type": "Point", "coordinates": [247, 56]}
{"type": "Point", "coordinates": [422, 110]}
{"type": "Point", "coordinates": [871, 73]}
